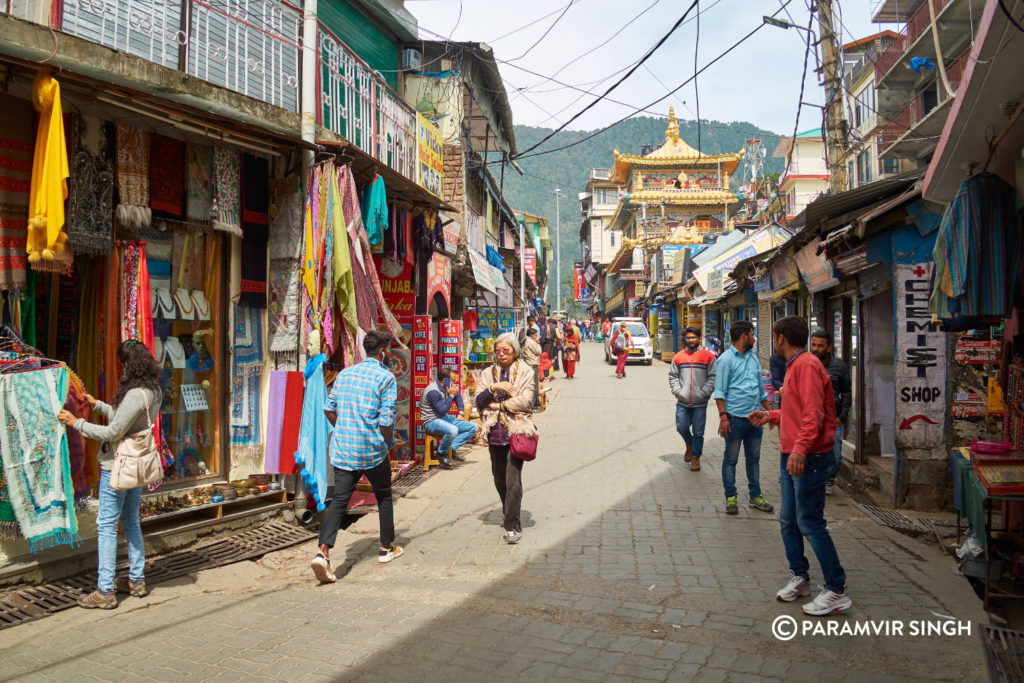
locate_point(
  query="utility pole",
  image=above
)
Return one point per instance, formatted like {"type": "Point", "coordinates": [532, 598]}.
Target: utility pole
{"type": "Point", "coordinates": [832, 75]}
{"type": "Point", "coordinates": [558, 252]}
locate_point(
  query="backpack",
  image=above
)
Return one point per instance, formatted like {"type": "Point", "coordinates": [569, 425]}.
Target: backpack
{"type": "Point", "coordinates": [620, 343]}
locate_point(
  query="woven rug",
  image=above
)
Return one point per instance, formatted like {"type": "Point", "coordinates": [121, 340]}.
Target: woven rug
{"type": "Point", "coordinates": [34, 449]}
{"type": "Point", "coordinates": [133, 178]}
{"type": "Point", "coordinates": [15, 178]}
{"type": "Point", "coordinates": [167, 175]}
{"type": "Point", "coordinates": [247, 365]}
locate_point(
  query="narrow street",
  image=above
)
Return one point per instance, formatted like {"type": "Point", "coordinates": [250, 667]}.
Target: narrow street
{"type": "Point", "coordinates": [629, 568]}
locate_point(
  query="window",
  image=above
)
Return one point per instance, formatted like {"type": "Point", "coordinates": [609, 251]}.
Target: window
{"type": "Point", "coordinates": [611, 237]}
{"type": "Point", "coordinates": [851, 178]}
{"type": "Point", "coordinates": [890, 166]}
{"type": "Point", "coordinates": [864, 167]}
{"type": "Point", "coordinates": [606, 195]}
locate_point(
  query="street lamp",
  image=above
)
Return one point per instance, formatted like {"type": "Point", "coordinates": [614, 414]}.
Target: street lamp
{"type": "Point", "coordinates": [558, 251]}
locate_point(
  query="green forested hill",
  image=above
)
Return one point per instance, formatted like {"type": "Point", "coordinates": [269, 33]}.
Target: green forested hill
{"type": "Point", "coordinates": [570, 168]}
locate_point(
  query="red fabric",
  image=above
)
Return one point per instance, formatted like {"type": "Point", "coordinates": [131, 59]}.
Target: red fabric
{"type": "Point", "coordinates": [166, 175]}
{"type": "Point", "coordinates": [702, 356]}
{"type": "Point", "coordinates": [143, 302]}
{"type": "Point", "coordinates": [620, 365]}
{"type": "Point", "coordinates": [807, 421]}
{"type": "Point", "coordinates": [294, 390]}
{"type": "Point", "coordinates": [570, 368]}
{"type": "Point", "coordinates": [469, 321]}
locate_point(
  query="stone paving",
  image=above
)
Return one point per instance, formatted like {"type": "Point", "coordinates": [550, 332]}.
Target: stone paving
{"type": "Point", "coordinates": [629, 569]}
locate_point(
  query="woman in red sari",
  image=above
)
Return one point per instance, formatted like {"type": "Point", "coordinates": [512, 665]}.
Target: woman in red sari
{"type": "Point", "coordinates": [570, 350]}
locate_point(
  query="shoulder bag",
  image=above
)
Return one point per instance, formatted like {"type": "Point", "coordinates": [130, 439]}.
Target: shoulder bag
{"type": "Point", "coordinates": [136, 459]}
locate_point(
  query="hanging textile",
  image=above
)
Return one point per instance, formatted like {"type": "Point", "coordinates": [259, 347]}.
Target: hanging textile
{"type": "Point", "coordinates": [198, 184]}
{"type": "Point", "coordinates": [246, 369]}
{"type": "Point", "coordinates": [284, 411]}
{"type": "Point", "coordinates": [77, 453]}
{"type": "Point", "coordinates": [292, 422]}
{"type": "Point", "coordinates": [314, 433]}
{"type": "Point", "coordinates": [227, 191]}
{"type": "Point", "coordinates": [34, 449]}
{"type": "Point", "coordinates": [375, 210]}
{"type": "Point", "coordinates": [133, 178]}
{"type": "Point", "coordinates": [429, 233]}
{"type": "Point", "coordinates": [9, 530]}
{"type": "Point", "coordinates": [255, 221]}
{"type": "Point", "coordinates": [285, 280]}
{"type": "Point", "coordinates": [345, 290]}
{"type": "Point", "coordinates": [15, 183]}
{"type": "Point", "coordinates": [88, 354]}
{"type": "Point", "coordinates": [134, 296]}
{"type": "Point", "coordinates": [90, 193]}
{"type": "Point", "coordinates": [46, 236]}
{"type": "Point", "coordinates": [167, 175]}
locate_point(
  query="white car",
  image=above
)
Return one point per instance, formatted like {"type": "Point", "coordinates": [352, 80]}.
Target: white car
{"type": "Point", "coordinates": [643, 345]}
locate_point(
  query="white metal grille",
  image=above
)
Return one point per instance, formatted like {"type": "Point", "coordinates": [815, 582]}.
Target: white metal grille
{"type": "Point", "coordinates": [151, 30]}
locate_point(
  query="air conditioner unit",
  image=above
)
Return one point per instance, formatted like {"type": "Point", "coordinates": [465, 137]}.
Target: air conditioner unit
{"type": "Point", "coordinates": [412, 60]}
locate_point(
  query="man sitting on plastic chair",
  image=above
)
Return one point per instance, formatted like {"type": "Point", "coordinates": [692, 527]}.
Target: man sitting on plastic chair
{"type": "Point", "coordinates": [434, 407]}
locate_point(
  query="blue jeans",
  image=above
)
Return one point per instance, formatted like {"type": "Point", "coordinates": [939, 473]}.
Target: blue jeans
{"type": "Point", "coordinates": [454, 433]}
{"type": "Point", "coordinates": [742, 432]}
{"type": "Point", "coordinates": [690, 425]}
{"type": "Point", "coordinates": [803, 516]}
{"type": "Point", "coordinates": [837, 454]}
{"type": "Point", "coordinates": [118, 506]}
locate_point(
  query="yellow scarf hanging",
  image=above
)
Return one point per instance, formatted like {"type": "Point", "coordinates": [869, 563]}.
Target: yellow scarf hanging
{"type": "Point", "coordinates": [49, 189]}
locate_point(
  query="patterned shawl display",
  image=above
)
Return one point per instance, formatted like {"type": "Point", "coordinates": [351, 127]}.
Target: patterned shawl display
{"type": "Point", "coordinates": [134, 296]}
{"type": "Point", "coordinates": [15, 175]}
{"type": "Point", "coordinates": [227, 174]}
{"type": "Point", "coordinates": [167, 175]}
{"type": "Point", "coordinates": [285, 281]}
{"type": "Point", "coordinates": [246, 369]}
{"type": "Point", "coordinates": [255, 221]}
{"type": "Point", "coordinates": [34, 449]}
{"type": "Point", "coordinates": [198, 184]}
{"type": "Point", "coordinates": [133, 178]}
{"type": "Point", "coordinates": [91, 191]}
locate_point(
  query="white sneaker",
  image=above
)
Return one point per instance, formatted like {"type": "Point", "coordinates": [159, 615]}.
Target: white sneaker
{"type": "Point", "coordinates": [321, 567]}
{"type": "Point", "coordinates": [828, 602]}
{"type": "Point", "coordinates": [388, 554]}
{"type": "Point", "coordinates": [512, 537]}
{"type": "Point", "coordinates": [830, 487]}
{"type": "Point", "coordinates": [796, 587]}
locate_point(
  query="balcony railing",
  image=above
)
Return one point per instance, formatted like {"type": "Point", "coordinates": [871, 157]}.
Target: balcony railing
{"type": "Point", "coordinates": [358, 105]}
{"type": "Point", "coordinates": [915, 26]}
{"type": "Point", "coordinates": [600, 174]}
{"type": "Point", "coordinates": [916, 110]}
{"type": "Point", "coordinates": [249, 46]}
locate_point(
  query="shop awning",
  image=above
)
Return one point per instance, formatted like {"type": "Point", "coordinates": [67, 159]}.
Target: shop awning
{"type": "Point", "coordinates": [482, 271]}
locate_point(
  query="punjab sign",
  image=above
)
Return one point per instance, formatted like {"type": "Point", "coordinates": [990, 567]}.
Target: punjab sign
{"type": "Point", "coordinates": [920, 362]}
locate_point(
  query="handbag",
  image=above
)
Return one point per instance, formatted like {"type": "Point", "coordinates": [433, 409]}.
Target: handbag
{"type": "Point", "coordinates": [523, 447]}
{"type": "Point", "coordinates": [136, 460]}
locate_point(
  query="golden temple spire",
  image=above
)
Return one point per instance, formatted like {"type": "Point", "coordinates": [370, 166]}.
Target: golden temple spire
{"type": "Point", "coordinates": [672, 132]}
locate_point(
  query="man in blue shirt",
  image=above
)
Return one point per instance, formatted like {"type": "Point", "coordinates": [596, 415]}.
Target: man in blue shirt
{"type": "Point", "coordinates": [435, 405]}
{"type": "Point", "coordinates": [362, 407]}
{"type": "Point", "coordinates": [739, 391]}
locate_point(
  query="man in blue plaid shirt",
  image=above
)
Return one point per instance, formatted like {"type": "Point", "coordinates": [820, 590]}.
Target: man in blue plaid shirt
{"type": "Point", "coordinates": [362, 407]}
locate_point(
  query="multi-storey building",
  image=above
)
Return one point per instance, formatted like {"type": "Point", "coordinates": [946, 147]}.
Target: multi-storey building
{"type": "Point", "coordinates": [599, 242]}
{"type": "Point", "coordinates": [806, 176]}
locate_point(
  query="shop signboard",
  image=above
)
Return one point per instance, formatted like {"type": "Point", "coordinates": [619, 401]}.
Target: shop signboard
{"type": "Point", "coordinates": [529, 256]}
{"type": "Point", "coordinates": [716, 283]}
{"type": "Point", "coordinates": [973, 352]}
{"type": "Point", "coordinates": [439, 278]}
{"type": "Point", "coordinates": [482, 271]}
{"type": "Point", "coordinates": [396, 282]}
{"type": "Point", "coordinates": [814, 268]}
{"type": "Point", "coordinates": [498, 321]}
{"type": "Point", "coordinates": [429, 146]}
{"type": "Point", "coordinates": [451, 352]}
{"type": "Point", "coordinates": [421, 376]}
{"type": "Point", "coordinates": [581, 292]}
{"type": "Point", "coordinates": [920, 362]}
{"type": "Point", "coordinates": [451, 229]}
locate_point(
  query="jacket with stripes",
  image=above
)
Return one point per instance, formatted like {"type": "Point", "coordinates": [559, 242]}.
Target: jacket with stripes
{"type": "Point", "coordinates": [692, 377]}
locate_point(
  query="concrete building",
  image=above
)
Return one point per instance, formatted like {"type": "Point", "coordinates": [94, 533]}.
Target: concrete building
{"type": "Point", "coordinates": [806, 176]}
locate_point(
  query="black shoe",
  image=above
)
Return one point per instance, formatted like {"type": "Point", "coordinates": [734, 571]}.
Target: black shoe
{"type": "Point", "coordinates": [446, 463]}
{"type": "Point", "coordinates": [458, 458]}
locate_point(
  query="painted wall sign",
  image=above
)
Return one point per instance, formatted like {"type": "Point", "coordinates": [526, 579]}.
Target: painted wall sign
{"type": "Point", "coordinates": [971, 352]}
{"type": "Point", "coordinates": [396, 282]}
{"type": "Point", "coordinates": [920, 362]}
{"type": "Point", "coordinates": [439, 278]}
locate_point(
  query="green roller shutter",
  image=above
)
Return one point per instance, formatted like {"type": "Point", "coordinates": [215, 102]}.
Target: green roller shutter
{"type": "Point", "coordinates": [370, 41]}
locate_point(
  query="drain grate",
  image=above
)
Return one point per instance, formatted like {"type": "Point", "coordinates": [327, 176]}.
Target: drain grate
{"type": "Point", "coordinates": [37, 602]}
{"type": "Point", "coordinates": [1004, 653]}
{"type": "Point", "coordinates": [893, 519]}
{"type": "Point", "coordinates": [402, 486]}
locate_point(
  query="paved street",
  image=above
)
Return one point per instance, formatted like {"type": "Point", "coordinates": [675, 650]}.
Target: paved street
{"type": "Point", "coordinates": [628, 569]}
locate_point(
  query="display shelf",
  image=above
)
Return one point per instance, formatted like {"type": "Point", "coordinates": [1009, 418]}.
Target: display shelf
{"type": "Point", "coordinates": [216, 510]}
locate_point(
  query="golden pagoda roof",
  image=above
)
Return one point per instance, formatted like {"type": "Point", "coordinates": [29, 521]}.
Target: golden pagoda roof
{"type": "Point", "coordinates": [675, 152]}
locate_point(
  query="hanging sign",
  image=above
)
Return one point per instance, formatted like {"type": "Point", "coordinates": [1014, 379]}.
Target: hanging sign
{"type": "Point", "coordinates": [451, 352]}
{"type": "Point", "coordinates": [920, 362]}
{"type": "Point", "coordinates": [396, 282]}
{"type": "Point", "coordinates": [814, 268]}
{"type": "Point", "coordinates": [529, 256]}
{"type": "Point", "coordinates": [439, 278]}
{"type": "Point", "coordinates": [421, 376]}
{"type": "Point", "coordinates": [430, 166]}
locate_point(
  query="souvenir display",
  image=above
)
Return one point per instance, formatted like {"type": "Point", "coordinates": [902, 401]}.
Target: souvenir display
{"type": "Point", "coordinates": [194, 398]}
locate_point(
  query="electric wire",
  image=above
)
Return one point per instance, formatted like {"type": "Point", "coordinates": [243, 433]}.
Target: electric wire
{"type": "Point", "coordinates": [696, 88]}
{"type": "Point", "coordinates": [545, 34]}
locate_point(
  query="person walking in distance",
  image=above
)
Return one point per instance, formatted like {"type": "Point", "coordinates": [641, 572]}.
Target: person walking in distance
{"type": "Point", "coordinates": [691, 377]}
{"type": "Point", "coordinates": [362, 408]}
{"type": "Point", "coordinates": [839, 373]}
{"type": "Point", "coordinates": [571, 350]}
{"type": "Point", "coordinates": [531, 356]}
{"type": "Point", "coordinates": [621, 342]}
{"type": "Point", "coordinates": [739, 390]}
{"type": "Point", "coordinates": [807, 423]}
{"type": "Point", "coordinates": [548, 338]}
{"type": "Point", "coordinates": [435, 408]}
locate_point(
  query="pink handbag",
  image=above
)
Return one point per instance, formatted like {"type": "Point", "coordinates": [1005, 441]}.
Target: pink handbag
{"type": "Point", "coordinates": [523, 447]}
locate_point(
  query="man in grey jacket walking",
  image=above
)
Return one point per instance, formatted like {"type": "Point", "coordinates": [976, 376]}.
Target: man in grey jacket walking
{"type": "Point", "coordinates": [692, 381]}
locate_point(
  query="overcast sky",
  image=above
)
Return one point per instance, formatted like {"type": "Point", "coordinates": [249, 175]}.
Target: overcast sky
{"type": "Point", "coordinates": [759, 81]}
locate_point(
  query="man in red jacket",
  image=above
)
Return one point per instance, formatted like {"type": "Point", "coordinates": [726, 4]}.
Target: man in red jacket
{"type": "Point", "coordinates": [807, 425]}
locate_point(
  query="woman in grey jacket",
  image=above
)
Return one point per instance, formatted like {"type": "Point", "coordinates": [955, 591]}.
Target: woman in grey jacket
{"type": "Point", "coordinates": [134, 408]}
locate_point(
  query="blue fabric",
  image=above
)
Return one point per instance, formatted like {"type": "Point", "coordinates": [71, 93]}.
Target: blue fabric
{"type": "Point", "coordinates": [690, 421]}
{"type": "Point", "coordinates": [314, 433]}
{"type": "Point", "coordinates": [375, 210]}
{"type": "Point", "coordinates": [920, 64]}
{"type": "Point", "coordinates": [494, 258]}
{"type": "Point", "coordinates": [363, 397]}
{"type": "Point", "coordinates": [742, 432]}
{"type": "Point", "coordinates": [837, 453]}
{"type": "Point", "coordinates": [455, 433]}
{"type": "Point", "coordinates": [442, 402]}
{"type": "Point", "coordinates": [123, 507]}
{"type": "Point", "coordinates": [803, 516]}
{"type": "Point", "coordinates": [738, 381]}
{"type": "Point", "coordinates": [158, 268]}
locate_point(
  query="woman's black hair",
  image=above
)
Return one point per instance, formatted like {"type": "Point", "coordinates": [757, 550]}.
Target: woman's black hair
{"type": "Point", "coordinates": [140, 370]}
